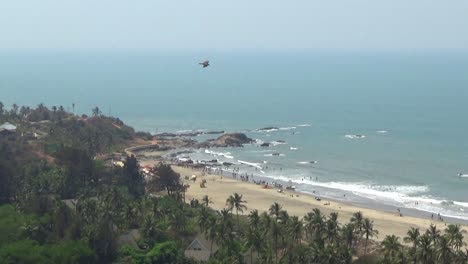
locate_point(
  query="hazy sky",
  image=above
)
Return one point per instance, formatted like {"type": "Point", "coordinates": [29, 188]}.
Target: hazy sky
{"type": "Point", "coordinates": [239, 24]}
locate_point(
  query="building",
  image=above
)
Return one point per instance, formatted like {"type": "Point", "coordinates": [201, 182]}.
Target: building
{"type": "Point", "coordinates": [199, 249]}
{"type": "Point", "coordinates": [7, 128]}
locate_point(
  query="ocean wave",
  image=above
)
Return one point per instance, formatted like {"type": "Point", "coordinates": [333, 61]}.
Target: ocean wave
{"type": "Point", "coordinates": [382, 131]}
{"type": "Point", "coordinates": [263, 151]}
{"type": "Point", "coordinates": [287, 128]}
{"type": "Point", "coordinates": [304, 125]}
{"type": "Point", "coordinates": [355, 136]}
{"type": "Point", "coordinates": [266, 129]}
{"type": "Point", "coordinates": [252, 164]}
{"type": "Point", "coordinates": [293, 148]}
{"type": "Point", "coordinates": [463, 175]}
{"type": "Point", "coordinates": [274, 155]}
{"type": "Point", "coordinates": [409, 196]}
{"type": "Point", "coordinates": [308, 162]}
{"type": "Point", "coordinates": [222, 154]}
{"type": "Point", "coordinates": [278, 142]}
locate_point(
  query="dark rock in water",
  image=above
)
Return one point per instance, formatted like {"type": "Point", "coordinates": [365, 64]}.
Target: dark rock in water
{"type": "Point", "coordinates": [231, 140]}
{"type": "Point", "coordinates": [213, 161]}
{"type": "Point", "coordinates": [276, 154]}
{"type": "Point", "coordinates": [227, 164]}
{"type": "Point", "coordinates": [266, 144]}
{"type": "Point", "coordinates": [165, 134]}
{"type": "Point", "coordinates": [214, 132]}
{"type": "Point", "coordinates": [265, 129]}
{"type": "Point", "coordinates": [280, 141]}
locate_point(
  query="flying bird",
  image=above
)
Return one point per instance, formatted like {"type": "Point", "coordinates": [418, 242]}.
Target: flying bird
{"type": "Point", "coordinates": [205, 63]}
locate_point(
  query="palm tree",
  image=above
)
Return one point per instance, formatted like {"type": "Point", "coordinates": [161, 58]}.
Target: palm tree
{"type": "Point", "coordinates": [455, 236]}
{"type": "Point", "coordinates": [206, 200]}
{"type": "Point", "coordinates": [369, 231]}
{"type": "Point", "coordinates": [315, 224]}
{"type": "Point", "coordinates": [424, 251]}
{"type": "Point", "coordinates": [275, 232]}
{"type": "Point", "coordinates": [295, 229]}
{"type": "Point", "coordinates": [254, 219]}
{"type": "Point", "coordinates": [443, 251]}
{"type": "Point", "coordinates": [265, 221]}
{"type": "Point", "coordinates": [347, 233]}
{"type": "Point", "coordinates": [332, 227]}
{"type": "Point", "coordinates": [96, 111]}
{"type": "Point", "coordinates": [275, 209]}
{"type": "Point", "coordinates": [254, 241]}
{"type": "Point", "coordinates": [434, 234]}
{"type": "Point", "coordinates": [212, 231]}
{"type": "Point", "coordinates": [412, 236]}
{"type": "Point", "coordinates": [358, 220]}
{"type": "Point", "coordinates": [391, 247]}
{"type": "Point", "coordinates": [283, 217]}
{"type": "Point", "coordinates": [14, 109]}
{"type": "Point", "coordinates": [225, 225]}
{"type": "Point", "coordinates": [203, 217]}
{"type": "Point", "coordinates": [235, 201]}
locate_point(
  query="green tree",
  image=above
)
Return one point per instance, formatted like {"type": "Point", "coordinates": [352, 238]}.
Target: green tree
{"type": "Point", "coordinates": [332, 228]}
{"type": "Point", "coordinates": [96, 111]}
{"type": "Point", "coordinates": [455, 236]}
{"type": "Point", "coordinates": [206, 200]}
{"type": "Point", "coordinates": [443, 251]}
{"type": "Point", "coordinates": [235, 202]}
{"type": "Point", "coordinates": [134, 180]}
{"type": "Point", "coordinates": [296, 229]}
{"type": "Point", "coordinates": [165, 252]}
{"type": "Point", "coordinates": [203, 217]}
{"type": "Point", "coordinates": [391, 247]}
{"type": "Point", "coordinates": [369, 231]}
{"type": "Point", "coordinates": [412, 236]}
{"type": "Point", "coordinates": [166, 179]}
{"type": "Point", "coordinates": [424, 251]}
{"type": "Point", "coordinates": [433, 233]}
{"type": "Point", "coordinates": [275, 209]}
{"type": "Point", "coordinates": [358, 220]}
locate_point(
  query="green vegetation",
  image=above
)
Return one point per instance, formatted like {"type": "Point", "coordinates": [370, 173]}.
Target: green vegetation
{"type": "Point", "coordinates": [59, 203]}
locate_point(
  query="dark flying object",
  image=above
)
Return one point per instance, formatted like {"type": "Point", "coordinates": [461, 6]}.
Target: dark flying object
{"type": "Point", "coordinates": [205, 63]}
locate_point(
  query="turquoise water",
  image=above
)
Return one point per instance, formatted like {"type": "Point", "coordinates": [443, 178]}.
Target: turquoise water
{"type": "Point", "coordinates": [420, 100]}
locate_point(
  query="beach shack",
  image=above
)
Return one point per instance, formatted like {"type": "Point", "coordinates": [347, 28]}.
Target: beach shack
{"type": "Point", "coordinates": [7, 128]}
{"type": "Point", "coordinates": [199, 249]}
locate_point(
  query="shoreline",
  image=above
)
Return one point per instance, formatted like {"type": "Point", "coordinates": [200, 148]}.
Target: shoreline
{"type": "Point", "coordinates": [220, 187]}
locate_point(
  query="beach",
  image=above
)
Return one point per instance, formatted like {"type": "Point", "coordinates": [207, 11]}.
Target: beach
{"type": "Point", "coordinates": [219, 188]}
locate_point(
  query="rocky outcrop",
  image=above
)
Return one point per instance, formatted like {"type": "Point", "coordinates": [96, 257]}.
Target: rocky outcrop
{"type": "Point", "coordinates": [226, 140]}
{"type": "Point", "coordinates": [232, 140]}
{"type": "Point", "coordinates": [266, 144]}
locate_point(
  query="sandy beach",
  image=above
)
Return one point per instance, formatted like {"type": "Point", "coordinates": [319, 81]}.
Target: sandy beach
{"type": "Point", "coordinates": [218, 188]}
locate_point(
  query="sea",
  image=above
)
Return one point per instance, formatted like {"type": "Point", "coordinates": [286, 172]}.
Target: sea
{"type": "Point", "coordinates": [384, 130]}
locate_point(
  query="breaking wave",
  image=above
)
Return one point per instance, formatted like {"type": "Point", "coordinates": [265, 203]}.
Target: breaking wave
{"type": "Point", "coordinates": [222, 154]}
